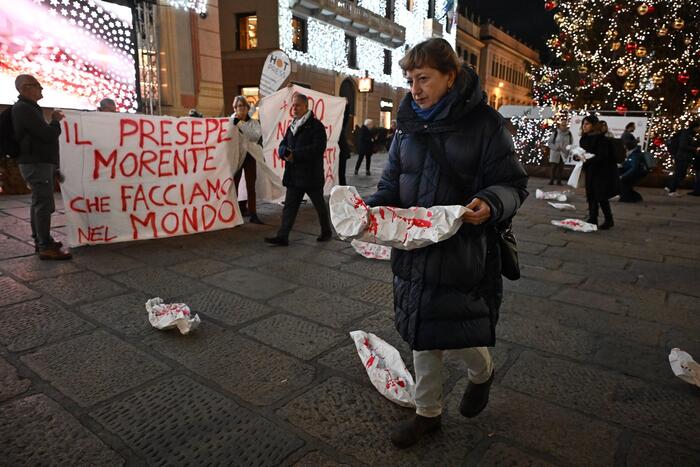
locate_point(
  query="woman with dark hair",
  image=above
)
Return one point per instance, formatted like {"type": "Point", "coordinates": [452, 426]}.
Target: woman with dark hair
{"type": "Point", "coordinates": [250, 129]}
{"type": "Point", "coordinates": [602, 179]}
{"type": "Point", "coordinates": [449, 148]}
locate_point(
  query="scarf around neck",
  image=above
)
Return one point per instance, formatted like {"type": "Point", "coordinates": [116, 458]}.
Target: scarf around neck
{"type": "Point", "coordinates": [430, 113]}
{"type": "Point", "coordinates": [298, 122]}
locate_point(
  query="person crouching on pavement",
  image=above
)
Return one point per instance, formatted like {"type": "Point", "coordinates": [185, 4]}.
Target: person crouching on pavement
{"type": "Point", "coordinates": [302, 150]}
{"type": "Point", "coordinates": [251, 130]}
{"type": "Point", "coordinates": [450, 148]}
{"type": "Point", "coordinates": [633, 170]}
{"type": "Point", "coordinates": [38, 162]}
{"type": "Point", "coordinates": [602, 176]}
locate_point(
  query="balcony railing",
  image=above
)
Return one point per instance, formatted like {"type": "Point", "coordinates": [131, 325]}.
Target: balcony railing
{"type": "Point", "coordinates": [350, 17]}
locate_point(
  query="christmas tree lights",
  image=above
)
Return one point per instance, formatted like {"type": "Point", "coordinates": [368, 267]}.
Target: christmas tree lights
{"type": "Point", "coordinates": [626, 56]}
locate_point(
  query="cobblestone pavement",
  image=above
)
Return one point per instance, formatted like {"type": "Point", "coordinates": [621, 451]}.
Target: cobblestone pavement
{"type": "Point", "coordinates": [272, 378]}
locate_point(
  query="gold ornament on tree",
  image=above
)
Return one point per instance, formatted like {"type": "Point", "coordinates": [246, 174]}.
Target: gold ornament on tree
{"type": "Point", "coordinates": [678, 23]}
{"type": "Point", "coordinates": [643, 9]}
{"type": "Point", "coordinates": [641, 52]}
{"type": "Point", "coordinates": [622, 71]}
{"type": "Point", "coordinates": [662, 32]}
{"type": "Point", "coordinates": [657, 78]}
{"type": "Point", "coordinates": [629, 85]}
{"type": "Point", "coordinates": [615, 46]}
{"type": "Point", "coordinates": [583, 69]}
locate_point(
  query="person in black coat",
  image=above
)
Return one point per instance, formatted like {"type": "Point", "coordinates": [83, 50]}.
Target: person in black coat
{"type": "Point", "coordinates": [365, 146]}
{"type": "Point", "coordinates": [302, 150]}
{"type": "Point", "coordinates": [688, 151]}
{"type": "Point", "coordinates": [450, 148]}
{"type": "Point", "coordinates": [602, 178]}
{"type": "Point", "coordinates": [38, 162]}
{"type": "Point", "coordinates": [344, 151]}
{"type": "Point", "coordinates": [633, 170]}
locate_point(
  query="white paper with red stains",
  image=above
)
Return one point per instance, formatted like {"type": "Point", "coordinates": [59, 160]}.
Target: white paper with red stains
{"type": "Point", "coordinates": [372, 250]}
{"type": "Point", "coordinates": [406, 229]}
{"type": "Point", "coordinates": [576, 225]}
{"type": "Point", "coordinates": [385, 368]}
{"type": "Point", "coordinates": [554, 195]}
{"type": "Point", "coordinates": [165, 316]}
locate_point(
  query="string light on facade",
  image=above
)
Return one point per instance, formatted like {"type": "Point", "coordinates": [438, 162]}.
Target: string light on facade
{"type": "Point", "coordinates": [198, 6]}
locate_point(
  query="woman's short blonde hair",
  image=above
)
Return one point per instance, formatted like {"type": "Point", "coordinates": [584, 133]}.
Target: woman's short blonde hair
{"type": "Point", "coordinates": [433, 53]}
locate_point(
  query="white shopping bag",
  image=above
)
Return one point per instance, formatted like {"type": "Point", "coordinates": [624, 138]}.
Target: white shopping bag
{"type": "Point", "coordinates": [405, 229]}
{"type": "Point", "coordinates": [385, 368]}
{"type": "Point", "coordinates": [577, 225]}
{"type": "Point", "coordinates": [575, 176]}
{"type": "Point", "coordinates": [562, 206]}
{"type": "Point", "coordinates": [171, 315]}
{"type": "Point", "coordinates": [372, 250]}
{"type": "Point", "coordinates": [555, 195]}
{"type": "Point", "coordinates": [684, 366]}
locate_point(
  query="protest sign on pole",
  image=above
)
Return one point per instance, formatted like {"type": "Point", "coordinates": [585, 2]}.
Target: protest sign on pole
{"type": "Point", "coordinates": [136, 177]}
{"type": "Point", "coordinates": [275, 71]}
{"type": "Point", "coordinates": [276, 116]}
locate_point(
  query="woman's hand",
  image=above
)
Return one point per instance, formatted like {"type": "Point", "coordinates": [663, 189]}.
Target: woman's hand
{"type": "Point", "coordinates": [480, 212]}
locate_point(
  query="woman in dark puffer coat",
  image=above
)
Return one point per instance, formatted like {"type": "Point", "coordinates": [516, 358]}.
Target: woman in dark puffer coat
{"type": "Point", "coordinates": [447, 295]}
{"type": "Point", "coordinates": [602, 176]}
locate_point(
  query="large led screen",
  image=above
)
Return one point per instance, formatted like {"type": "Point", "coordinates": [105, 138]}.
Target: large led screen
{"type": "Point", "coordinates": [81, 51]}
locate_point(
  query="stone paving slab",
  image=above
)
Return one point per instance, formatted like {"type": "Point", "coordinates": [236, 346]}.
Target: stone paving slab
{"type": "Point", "coordinates": [29, 268]}
{"type": "Point", "coordinates": [78, 287]}
{"type": "Point", "coordinates": [299, 337]}
{"type": "Point", "coordinates": [357, 423]}
{"type": "Point", "coordinates": [501, 455]}
{"type": "Point", "coordinates": [94, 367]}
{"type": "Point", "coordinates": [378, 293]}
{"type": "Point", "coordinates": [213, 430]}
{"type": "Point", "coordinates": [11, 384]}
{"type": "Point", "coordinates": [37, 322]}
{"type": "Point", "coordinates": [125, 314]}
{"type": "Point", "coordinates": [317, 459]}
{"type": "Point", "coordinates": [249, 283]}
{"type": "Point", "coordinates": [309, 274]}
{"type": "Point", "coordinates": [628, 401]}
{"type": "Point", "coordinates": [250, 370]}
{"type": "Point", "coordinates": [12, 291]}
{"type": "Point", "coordinates": [226, 307]}
{"type": "Point", "coordinates": [201, 267]}
{"type": "Point", "coordinates": [158, 282]}
{"type": "Point", "coordinates": [646, 451]}
{"type": "Point", "coordinates": [324, 308]}
{"type": "Point", "coordinates": [38, 431]}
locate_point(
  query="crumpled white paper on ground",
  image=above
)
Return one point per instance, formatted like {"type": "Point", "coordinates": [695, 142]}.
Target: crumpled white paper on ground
{"type": "Point", "coordinates": [576, 225]}
{"type": "Point", "coordinates": [171, 315]}
{"type": "Point", "coordinates": [562, 206]}
{"type": "Point", "coordinates": [385, 368]}
{"type": "Point", "coordinates": [405, 229]}
{"type": "Point", "coordinates": [576, 172]}
{"type": "Point", "coordinates": [555, 195]}
{"type": "Point", "coordinates": [372, 250]}
{"type": "Point", "coordinates": [684, 366]}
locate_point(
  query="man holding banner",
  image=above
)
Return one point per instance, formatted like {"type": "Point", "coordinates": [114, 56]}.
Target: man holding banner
{"type": "Point", "coordinates": [302, 151]}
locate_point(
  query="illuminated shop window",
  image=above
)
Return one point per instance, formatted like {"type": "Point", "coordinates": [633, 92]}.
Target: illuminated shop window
{"type": "Point", "coordinates": [247, 32]}
{"type": "Point", "coordinates": [299, 34]}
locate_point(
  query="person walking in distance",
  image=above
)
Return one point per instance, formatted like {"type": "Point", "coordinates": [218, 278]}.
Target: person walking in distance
{"type": "Point", "coordinates": [560, 139]}
{"type": "Point", "coordinates": [450, 148]}
{"type": "Point", "coordinates": [684, 146]}
{"type": "Point", "coordinates": [302, 151]}
{"type": "Point", "coordinates": [602, 177]}
{"type": "Point", "coordinates": [250, 130]}
{"type": "Point", "coordinates": [365, 146]}
{"type": "Point", "coordinates": [38, 162]}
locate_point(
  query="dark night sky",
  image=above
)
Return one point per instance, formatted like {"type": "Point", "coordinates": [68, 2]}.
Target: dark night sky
{"type": "Point", "coordinates": [526, 19]}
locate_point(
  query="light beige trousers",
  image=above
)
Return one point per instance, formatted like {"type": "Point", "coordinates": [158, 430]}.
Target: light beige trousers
{"type": "Point", "coordinates": [429, 368]}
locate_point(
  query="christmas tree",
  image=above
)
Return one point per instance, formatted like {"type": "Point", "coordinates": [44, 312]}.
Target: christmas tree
{"type": "Point", "coordinates": [625, 56]}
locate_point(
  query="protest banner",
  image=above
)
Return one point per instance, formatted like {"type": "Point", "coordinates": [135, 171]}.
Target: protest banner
{"type": "Point", "coordinates": [136, 177]}
{"type": "Point", "coordinates": [276, 116]}
{"type": "Point", "coordinates": [616, 125]}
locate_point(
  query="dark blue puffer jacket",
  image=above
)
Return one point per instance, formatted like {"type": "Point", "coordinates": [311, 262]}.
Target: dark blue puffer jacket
{"type": "Point", "coordinates": [447, 295]}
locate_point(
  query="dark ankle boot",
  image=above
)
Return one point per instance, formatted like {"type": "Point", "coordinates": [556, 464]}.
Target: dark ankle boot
{"type": "Point", "coordinates": [475, 398]}
{"type": "Point", "coordinates": [408, 432]}
{"type": "Point", "coordinates": [607, 224]}
{"type": "Point", "coordinates": [592, 213]}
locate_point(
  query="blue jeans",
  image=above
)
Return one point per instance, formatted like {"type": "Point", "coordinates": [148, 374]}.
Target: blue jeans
{"type": "Point", "coordinates": [40, 178]}
{"type": "Point", "coordinates": [681, 169]}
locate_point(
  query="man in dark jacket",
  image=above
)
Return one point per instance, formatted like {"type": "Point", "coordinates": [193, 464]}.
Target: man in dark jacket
{"type": "Point", "coordinates": [302, 150]}
{"type": "Point", "coordinates": [365, 146]}
{"type": "Point", "coordinates": [688, 151]}
{"type": "Point", "coordinates": [38, 162]}
{"type": "Point", "coordinates": [633, 170]}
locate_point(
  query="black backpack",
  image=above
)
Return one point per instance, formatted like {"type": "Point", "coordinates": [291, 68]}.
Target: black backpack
{"type": "Point", "coordinates": [9, 146]}
{"type": "Point", "coordinates": [618, 149]}
{"type": "Point", "coordinates": [673, 143]}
